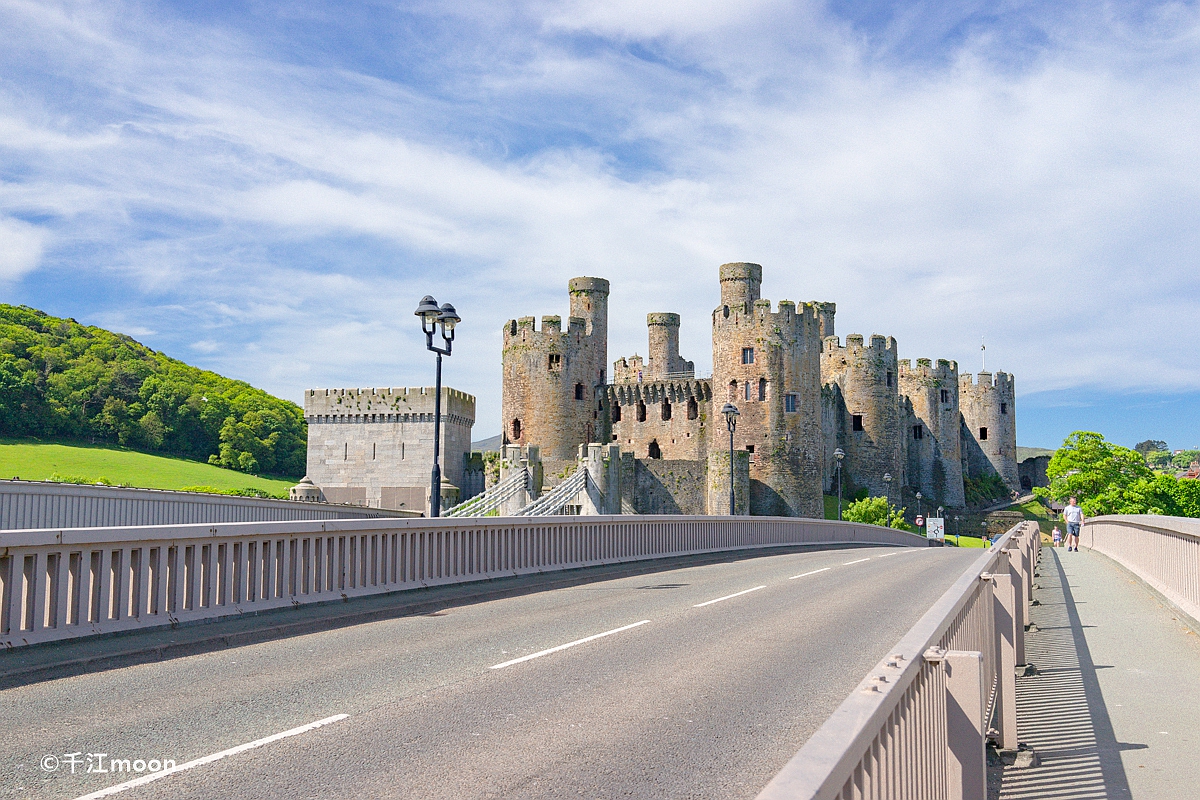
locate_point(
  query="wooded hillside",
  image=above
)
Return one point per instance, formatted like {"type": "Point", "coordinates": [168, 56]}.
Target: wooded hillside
{"type": "Point", "coordinates": [60, 379]}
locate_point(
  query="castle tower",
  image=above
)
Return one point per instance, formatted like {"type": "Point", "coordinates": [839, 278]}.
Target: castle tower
{"type": "Point", "coordinates": [553, 381]}
{"type": "Point", "coordinates": [989, 420]}
{"type": "Point", "coordinates": [664, 348]}
{"type": "Point", "coordinates": [934, 430]}
{"type": "Point", "coordinates": [868, 421]}
{"type": "Point", "coordinates": [825, 312]}
{"type": "Point", "coordinates": [768, 365]}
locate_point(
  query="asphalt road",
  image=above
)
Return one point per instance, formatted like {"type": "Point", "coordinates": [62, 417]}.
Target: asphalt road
{"type": "Point", "coordinates": [701, 699]}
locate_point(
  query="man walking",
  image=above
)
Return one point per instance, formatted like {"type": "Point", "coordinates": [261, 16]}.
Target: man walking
{"type": "Point", "coordinates": [1073, 514]}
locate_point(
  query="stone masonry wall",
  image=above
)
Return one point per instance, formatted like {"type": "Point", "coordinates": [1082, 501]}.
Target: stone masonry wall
{"type": "Point", "coordinates": [989, 406]}
{"type": "Point", "coordinates": [374, 447]}
{"type": "Point", "coordinates": [935, 458]}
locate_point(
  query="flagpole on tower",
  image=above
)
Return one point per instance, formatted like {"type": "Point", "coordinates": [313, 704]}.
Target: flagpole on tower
{"type": "Point", "coordinates": [983, 353]}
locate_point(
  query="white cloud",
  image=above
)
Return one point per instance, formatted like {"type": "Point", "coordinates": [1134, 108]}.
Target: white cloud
{"type": "Point", "coordinates": [21, 247]}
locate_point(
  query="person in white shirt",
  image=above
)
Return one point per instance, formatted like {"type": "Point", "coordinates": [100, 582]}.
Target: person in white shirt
{"type": "Point", "coordinates": [1073, 514]}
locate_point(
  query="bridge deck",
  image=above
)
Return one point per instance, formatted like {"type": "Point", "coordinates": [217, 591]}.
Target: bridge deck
{"type": "Point", "coordinates": [1112, 711]}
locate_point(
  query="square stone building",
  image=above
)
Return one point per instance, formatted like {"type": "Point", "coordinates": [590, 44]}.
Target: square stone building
{"type": "Point", "coordinates": [374, 447]}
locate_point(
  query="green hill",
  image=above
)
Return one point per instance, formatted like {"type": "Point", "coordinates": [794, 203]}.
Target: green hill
{"type": "Point", "coordinates": [60, 380]}
{"type": "Point", "coordinates": [38, 461]}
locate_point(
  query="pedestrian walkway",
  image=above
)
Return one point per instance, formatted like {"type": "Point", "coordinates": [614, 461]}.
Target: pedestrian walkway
{"type": "Point", "coordinates": [1112, 709]}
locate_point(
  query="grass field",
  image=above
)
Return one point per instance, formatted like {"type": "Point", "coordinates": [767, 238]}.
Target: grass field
{"type": "Point", "coordinates": [966, 541]}
{"type": "Point", "coordinates": [81, 463]}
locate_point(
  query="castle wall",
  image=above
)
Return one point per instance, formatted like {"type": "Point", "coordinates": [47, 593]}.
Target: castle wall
{"type": "Point", "coordinates": [760, 360]}
{"type": "Point", "coordinates": [374, 447]}
{"type": "Point", "coordinates": [868, 379]}
{"type": "Point", "coordinates": [553, 381]}
{"type": "Point", "coordinates": [683, 436]}
{"type": "Point", "coordinates": [989, 405]}
{"type": "Point", "coordinates": [934, 448]}
{"type": "Point", "coordinates": [662, 486]}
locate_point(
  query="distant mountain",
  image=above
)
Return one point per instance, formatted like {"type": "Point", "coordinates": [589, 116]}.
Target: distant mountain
{"type": "Point", "coordinates": [488, 445]}
{"type": "Point", "coordinates": [1032, 452]}
{"type": "Point", "coordinates": [63, 380]}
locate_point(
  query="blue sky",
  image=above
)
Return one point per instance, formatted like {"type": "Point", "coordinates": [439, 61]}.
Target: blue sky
{"type": "Point", "coordinates": [267, 189]}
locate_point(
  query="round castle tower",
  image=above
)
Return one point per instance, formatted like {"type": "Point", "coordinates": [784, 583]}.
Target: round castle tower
{"type": "Point", "coordinates": [868, 422]}
{"type": "Point", "coordinates": [768, 365]}
{"type": "Point", "coordinates": [665, 360]}
{"type": "Point", "coordinates": [989, 417]}
{"type": "Point", "coordinates": [934, 435]}
{"type": "Point", "coordinates": [552, 393]}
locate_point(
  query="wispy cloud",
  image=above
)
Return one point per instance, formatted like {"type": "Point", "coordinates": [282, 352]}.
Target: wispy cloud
{"type": "Point", "coordinates": [272, 193]}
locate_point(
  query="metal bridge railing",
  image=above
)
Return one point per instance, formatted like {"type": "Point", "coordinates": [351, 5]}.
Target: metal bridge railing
{"type": "Point", "coordinates": [916, 727]}
{"type": "Point", "coordinates": [553, 501]}
{"type": "Point", "coordinates": [74, 582]}
{"type": "Point", "coordinates": [1162, 551]}
{"type": "Point", "coordinates": [491, 500]}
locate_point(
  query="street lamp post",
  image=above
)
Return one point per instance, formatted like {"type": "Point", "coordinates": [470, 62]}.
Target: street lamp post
{"type": "Point", "coordinates": [839, 454]}
{"type": "Point", "coordinates": [731, 414]}
{"type": "Point", "coordinates": [918, 504]}
{"type": "Point", "coordinates": [887, 491]}
{"type": "Point", "coordinates": [434, 317]}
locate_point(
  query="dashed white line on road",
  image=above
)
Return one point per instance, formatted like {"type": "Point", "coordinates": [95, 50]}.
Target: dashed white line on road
{"type": "Point", "coordinates": [241, 748]}
{"type": "Point", "coordinates": [859, 561]}
{"type": "Point", "coordinates": [593, 637]}
{"type": "Point", "coordinates": [806, 574]}
{"type": "Point", "coordinates": [885, 555]}
{"type": "Point", "coordinates": [726, 597]}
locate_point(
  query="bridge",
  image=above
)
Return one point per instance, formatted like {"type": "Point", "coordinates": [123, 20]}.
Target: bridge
{"type": "Point", "coordinates": [591, 656]}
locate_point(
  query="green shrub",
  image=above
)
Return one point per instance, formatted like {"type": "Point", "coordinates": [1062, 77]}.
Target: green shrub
{"type": "Point", "coordinates": [874, 511]}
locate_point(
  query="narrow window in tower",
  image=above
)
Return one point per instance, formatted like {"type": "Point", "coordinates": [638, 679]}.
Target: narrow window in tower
{"type": "Point", "coordinates": [602, 376]}
{"type": "Point", "coordinates": [693, 408]}
{"type": "Point", "coordinates": [983, 434]}
{"type": "Point", "coordinates": [346, 452]}
{"type": "Point", "coordinates": [918, 432]}
{"type": "Point", "coordinates": [655, 450]}
{"type": "Point", "coordinates": [1004, 408]}
{"type": "Point", "coordinates": [733, 390]}
{"type": "Point", "coordinates": [762, 388]}
{"type": "Point", "coordinates": [516, 430]}
{"type": "Point", "coordinates": [402, 451]}
{"type": "Point", "coordinates": [666, 410]}
{"type": "Point", "coordinates": [856, 421]}
{"type": "Point", "coordinates": [746, 390]}
{"type": "Point", "coordinates": [945, 395]}
{"type": "Point", "coordinates": [579, 391]}
{"type": "Point", "coordinates": [372, 451]}
{"type": "Point", "coordinates": [889, 379]}
{"type": "Point", "coordinates": [789, 403]}
{"type": "Point", "coordinates": [555, 361]}
{"type": "Point", "coordinates": [641, 411]}
{"type": "Point", "coordinates": [749, 448]}
{"type": "Point", "coordinates": [616, 413]}
{"type": "Point", "coordinates": [747, 355]}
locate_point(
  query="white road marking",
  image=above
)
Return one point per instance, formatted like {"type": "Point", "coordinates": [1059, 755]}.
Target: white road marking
{"type": "Point", "coordinates": [568, 644]}
{"type": "Point", "coordinates": [120, 787]}
{"type": "Point", "coordinates": [848, 563]}
{"type": "Point", "coordinates": [726, 597]}
{"type": "Point", "coordinates": [885, 555]}
{"type": "Point", "coordinates": [806, 574]}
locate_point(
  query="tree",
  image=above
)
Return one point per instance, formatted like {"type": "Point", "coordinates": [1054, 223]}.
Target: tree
{"type": "Point", "coordinates": [874, 511]}
{"type": "Point", "coordinates": [1110, 479]}
{"type": "Point", "coordinates": [1150, 446]}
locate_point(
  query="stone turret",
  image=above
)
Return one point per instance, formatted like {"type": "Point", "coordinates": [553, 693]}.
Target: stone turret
{"type": "Point", "coordinates": [767, 363]}
{"type": "Point", "coordinates": [989, 421]}
{"type": "Point", "coordinates": [825, 312]}
{"type": "Point", "coordinates": [553, 381]}
{"type": "Point", "coordinates": [934, 430]}
{"type": "Point", "coordinates": [868, 422]}
{"type": "Point", "coordinates": [665, 360]}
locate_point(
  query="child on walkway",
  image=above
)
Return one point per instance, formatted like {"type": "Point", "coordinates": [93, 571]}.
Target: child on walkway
{"type": "Point", "coordinates": [1056, 535]}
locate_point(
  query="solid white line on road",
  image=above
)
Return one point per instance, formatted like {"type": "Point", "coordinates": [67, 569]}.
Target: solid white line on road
{"type": "Point", "coordinates": [726, 597]}
{"type": "Point", "coordinates": [806, 574]}
{"type": "Point", "coordinates": [120, 787]}
{"type": "Point", "coordinates": [848, 563]}
{"type": "Point", "coordinates": [568, 644]}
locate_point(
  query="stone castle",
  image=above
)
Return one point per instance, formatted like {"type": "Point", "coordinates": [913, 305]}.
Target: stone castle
{"type": "Point", "coordinates": [800, 392]}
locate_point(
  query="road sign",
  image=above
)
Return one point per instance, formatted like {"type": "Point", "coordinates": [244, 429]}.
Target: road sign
{"type": "Point", "coordinates": [935, 528]}
{"type": "Point", "coordinates": [920, 522]}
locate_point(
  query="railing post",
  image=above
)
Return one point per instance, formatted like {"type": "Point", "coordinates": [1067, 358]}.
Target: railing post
{"type": "Point", "coordinates": [966, 761]}
{"type": "Point", "coordinates": [1021, 601]}
{"type": "Point", "coordinates": [1005, 604]}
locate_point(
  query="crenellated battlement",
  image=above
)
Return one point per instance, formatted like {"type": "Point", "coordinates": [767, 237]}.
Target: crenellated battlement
{"type": "Point", "coordinates": [945, 370]}
{"type": "Point", "coordinates": [674, 391]}
{"type": "Point", "coordinates": [999, 382]}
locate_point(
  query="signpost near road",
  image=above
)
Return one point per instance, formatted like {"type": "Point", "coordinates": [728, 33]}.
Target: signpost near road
{"type": "Point", "coordinates": [935, 528]}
